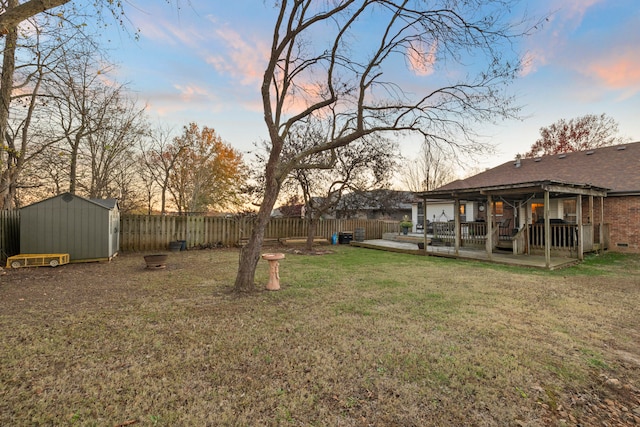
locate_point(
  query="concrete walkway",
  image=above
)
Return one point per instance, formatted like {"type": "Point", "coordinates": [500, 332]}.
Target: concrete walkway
{"type": "Point", "coordinates": [537, 261]}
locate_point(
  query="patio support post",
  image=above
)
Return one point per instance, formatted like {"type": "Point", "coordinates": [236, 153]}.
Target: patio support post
{"type": "Point", "coordinates": [489, 242]}
{"type": "Point", "coordinates": [601, 247]}
{"type": "Point", "coordinates": [527, 229]}
{"type": "Point", "coordinates": [456, 225]}
{"type": "Point", "coordinates": [424, 224]}
{"type": "Point", "coordinates": [591, 220]}
{"type": "Point", "coordinates": [547, 231]}
{"type": "Point", "coordinates": [580, 230]}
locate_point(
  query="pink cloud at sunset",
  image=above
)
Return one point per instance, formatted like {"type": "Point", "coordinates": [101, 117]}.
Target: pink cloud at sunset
{"type": "Point", "coordinates": [621, 72]}
{"type": "Point", "coordinates": [193, 98]}
{"type": "Point", "coordinates": [182, 98]}
{"type": "Point", "coordinates": [189, 101]}
{"type": "Point", "coordinates": [189, 93]}
{"type": "Point", "coordinates": [169, 33]}
{"type": "Point", "coordinates": [422, 58]}
{"type": "Point", "coordinates": [531, 61]}
{"type": "Point", "coordinates": [243, 60]}
{"type": "Point", "coordinates": [574, 10]}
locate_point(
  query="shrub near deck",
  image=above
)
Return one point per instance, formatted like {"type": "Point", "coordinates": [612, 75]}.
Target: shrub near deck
{"type": "Point", "coordinates": [354, 337]}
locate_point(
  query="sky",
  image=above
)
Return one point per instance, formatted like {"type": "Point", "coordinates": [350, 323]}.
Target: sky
{"type": "Point", "coordinates": [203, 62]}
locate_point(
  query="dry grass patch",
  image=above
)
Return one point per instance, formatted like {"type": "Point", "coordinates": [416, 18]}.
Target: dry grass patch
{"type": "Point", "coordinates": [355, 337]}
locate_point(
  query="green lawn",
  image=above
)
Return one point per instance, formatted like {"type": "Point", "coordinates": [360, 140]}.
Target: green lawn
{"type": "Point", "coordinates": [356, 337]}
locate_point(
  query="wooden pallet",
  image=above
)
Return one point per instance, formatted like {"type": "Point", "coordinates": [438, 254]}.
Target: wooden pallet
{"type": "Point", "coordinates": [302, 240]}
{"type": "Point", "coordinates": [37, 260]}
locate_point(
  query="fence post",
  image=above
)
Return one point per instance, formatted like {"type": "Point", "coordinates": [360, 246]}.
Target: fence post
{"type": "Point", "coordinates": [9, 234]}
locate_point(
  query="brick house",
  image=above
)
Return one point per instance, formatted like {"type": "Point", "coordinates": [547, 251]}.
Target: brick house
{"type": "Point", "coordinates": [578, 201]}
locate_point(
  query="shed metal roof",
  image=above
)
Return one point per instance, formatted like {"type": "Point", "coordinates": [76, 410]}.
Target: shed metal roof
{"type": "Point", "coordinates": [104, 203]}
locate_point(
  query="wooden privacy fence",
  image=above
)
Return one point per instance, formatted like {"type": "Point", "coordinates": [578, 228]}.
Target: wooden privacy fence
{"type": "Point", "coordinates": [297, 227]}
{"type": "Point", "coordinates": [9, 234]}
{"type": "Point", "coordinates": [143, 233]}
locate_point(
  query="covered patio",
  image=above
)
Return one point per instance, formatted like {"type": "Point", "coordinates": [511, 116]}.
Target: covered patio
{"type": "Point", "coordinates": [546, 242]}
{"type": "Point", "coordinates": [536, 261]}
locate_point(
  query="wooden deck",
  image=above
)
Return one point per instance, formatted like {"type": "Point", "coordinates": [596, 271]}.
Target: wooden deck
{"type": "Point", "coordinates": [536, 261]}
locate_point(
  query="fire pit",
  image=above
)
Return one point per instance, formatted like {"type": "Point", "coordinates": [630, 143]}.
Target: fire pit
{"type": "Point", "coordinates": [156, 262]}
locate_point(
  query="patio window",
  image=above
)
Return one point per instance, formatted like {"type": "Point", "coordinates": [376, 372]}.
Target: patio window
{"type": "Point", "coordinates": [498, 208]}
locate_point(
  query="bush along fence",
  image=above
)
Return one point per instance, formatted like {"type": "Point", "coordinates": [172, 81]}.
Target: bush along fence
{"type": "Point", "coordinates": [9, 234]}
{"type": "Point", "coordinates": [145, 233]}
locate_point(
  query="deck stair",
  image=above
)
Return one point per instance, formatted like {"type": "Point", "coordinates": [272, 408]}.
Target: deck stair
{"type": "Point", "coordinates": [504, 245]}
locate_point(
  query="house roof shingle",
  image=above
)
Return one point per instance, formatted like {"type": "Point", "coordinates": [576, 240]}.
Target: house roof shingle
{"type": "Point", "coordinates": [616, 168]}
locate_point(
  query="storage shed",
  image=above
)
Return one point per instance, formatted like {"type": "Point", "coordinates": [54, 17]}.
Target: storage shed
{"type": "Point", "coordinates": [86, 229]}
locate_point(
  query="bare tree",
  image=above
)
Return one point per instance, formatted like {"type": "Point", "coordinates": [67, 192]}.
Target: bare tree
{"type": "Point", "coordinates": [82, 99]}
{"type": "Point", "coordinates": [361, 166]}
{"type": "Point", "coordinates": [577, 134]}
{"type": "Point", "coordinates": [13, 15]}
{"type": "Point", "coordinates": [347, 83]}
{"type": "Point", "coordinates": [26, 118]}
{"type": "Point", "coordinates": [108, 151]}
{"type": "Point", "coordinates": [147, 181]}
{"type": "Point", "coordinates": [160, 155]}
{"type": "Point", "coordinates": [98, 121]}
{"type": "Point", "coordinates": [432, 168]}
{"type": "Point", "coordinates": [379, 203]}
{"type": "Point", "coordinates": [127, 185]}
{"type": "Point", "coordinates": [47, 170]}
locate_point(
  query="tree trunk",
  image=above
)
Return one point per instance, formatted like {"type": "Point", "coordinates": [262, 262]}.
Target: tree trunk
{"type": "Point", "coordinates": [6, 89]}
{"type": "Point", "coordinates": [250, 254]}
{"type": "Point", "coordinates": [8, 181]}
{"type": "Point", "coordinates": [18, 13]}
{"type": "Point", "coordinates": [311, 232]}
{"type": "Point", "coordinates": [163, 194]}
{"type": "Point", "coordinates": [73, 169]}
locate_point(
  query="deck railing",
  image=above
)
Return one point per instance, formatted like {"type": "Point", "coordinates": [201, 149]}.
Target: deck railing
{"type": "Point", "coordinates": [473, 233]}
{"type": "Point", "coordinates": [520, 241]}
{"type": "Point", "coordinates": [443, 230]}
{"type": "Point", "coordinates": [563, 236]}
